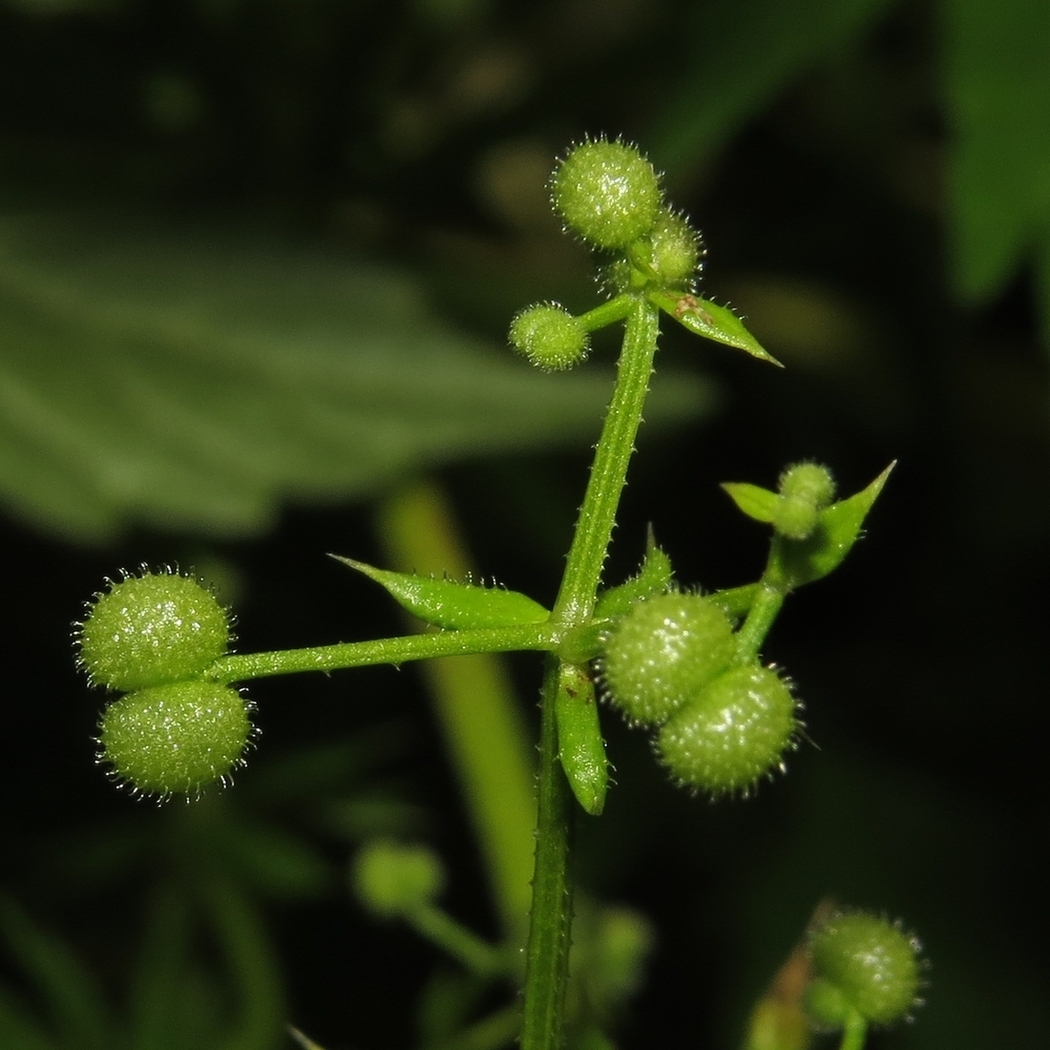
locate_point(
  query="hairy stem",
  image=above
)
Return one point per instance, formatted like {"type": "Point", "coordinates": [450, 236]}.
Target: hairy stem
{"type": "Point", "coordinates": [547, 955]}
{"type": "Point", "coordinates": [594, 528]}
{"type": "Point", "coordinates": [550, 931]}
{"type": "Point", "coordinates": [242, 667]}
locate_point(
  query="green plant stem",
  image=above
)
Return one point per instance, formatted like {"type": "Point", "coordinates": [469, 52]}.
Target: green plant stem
{"type": "Point", "coordinates": [547, 954]}
{"type": "Point", "coordinates": [855, 1033]}
{"type": "Point", "coordinates": [550, 929]}
{"type": "Point", "coordinates": [765, 606]}
{"type": "Point", "coordinates": [241, 668]}
{"type": "Point", "coordinates": [590, 542]}
{"type": "Point", "coordinates": [475, 954]}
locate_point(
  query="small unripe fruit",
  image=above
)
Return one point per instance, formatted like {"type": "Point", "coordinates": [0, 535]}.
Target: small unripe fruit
{"type": "Point", "coordinates": [734, 732]}
{"type": "Point", "coordinates": [549, 336]}
{"type": "Point", "coordinates": [805, 490]}
{"type": "Point", "coordinates": [176, 738]}
{"type": "Point", "coordinates": [607, 192]}
{"type": "Point", "coordinates": [674, 248]}
{"type": "Point", "coordinates": [151, 629]}
{"type": "Point", "coordinates": [865, 964]}
{"type": "Point", "coordinates": [663, 652]}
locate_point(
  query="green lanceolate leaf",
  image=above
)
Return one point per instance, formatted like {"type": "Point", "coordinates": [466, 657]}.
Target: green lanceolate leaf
{"type": "Point", "coordinates": [453, 605]}
{"type": "Point", "coordinates": [581, 748]}
{"type": "Point", "coordinates": [755, 501]}
{"type": "Point", "coordinates": [703, 317]}
{"type": "Point", "coordinates": [795, 562]}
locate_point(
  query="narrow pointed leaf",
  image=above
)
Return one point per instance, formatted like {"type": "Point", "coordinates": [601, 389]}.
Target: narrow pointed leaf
{"type": "Point", "coordinates": [453, 605]}
{"type": "Point", "coordinates": [703, 317]}
{"type": "Point", "coordinates": [755, 501]}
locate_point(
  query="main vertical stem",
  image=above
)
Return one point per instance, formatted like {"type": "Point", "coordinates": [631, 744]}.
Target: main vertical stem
{"type": "Point", "coordinates": [550, 921]}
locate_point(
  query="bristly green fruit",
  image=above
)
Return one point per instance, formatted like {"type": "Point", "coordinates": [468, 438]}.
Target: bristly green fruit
{"type": "Point", "coordinates": [862, 964]}
{"type": "Point", "coordinates": [663, 652]}
{"type": "Point", "coordinates": [732, 733]}
{"type": "Point", "coordinates": [176, 738]}
{"type": "Point", "coordinates": [607, 192]}
{"type": "Point", "coordinates": [151, 629]}
{"type": "Point", "coordinates": [549, 336]}
{"type": "Point", "coordinates": [805, 490]}
{"type": "Point", "coordinates": [674, 251]}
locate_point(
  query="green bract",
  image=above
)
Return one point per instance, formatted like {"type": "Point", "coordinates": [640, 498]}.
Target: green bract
{"type": "Point", "coordinates": [607, 192]}
{"type": "Point", "coordinates": [862, 963]}
{"type": "Point", "coordinates": [176, 738]}
{"type": "Point", "coordinates": [549, 336]}
{"type": "Point", "coordinates": [734, 732]}
{"type": "Point", "coordinates": [151, 629]}
{"type": "Point", "coordinates": [663, 652]}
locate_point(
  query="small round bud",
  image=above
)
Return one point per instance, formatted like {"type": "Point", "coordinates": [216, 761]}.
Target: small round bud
{"type": "Point", "coordinates": [391, 879]}
{"type": "Point", "coordinates": [549, 336]}
{"type": "Point", "coordinates": [674, 250]}
{"type": "Point", "coordinates": [607, 192]}
{"type": "Point", "coordinates": [805, 490]}
{"type": "Point", "coordinates": [663, 652]}
{"type": "Point", "coordinates": [734, 732]}
{"type": "Point", "coordinates": [151, 629]}
{"type": "Point", "coordinates": [176, 738]}
{"type": "Point", "coordinates": [865, 964]}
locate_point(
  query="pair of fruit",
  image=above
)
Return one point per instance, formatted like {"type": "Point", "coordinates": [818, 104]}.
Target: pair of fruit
{"type": "Point", "coordinates": [671, 664]}
{"type": "Point", "coordinates": [152, 637]}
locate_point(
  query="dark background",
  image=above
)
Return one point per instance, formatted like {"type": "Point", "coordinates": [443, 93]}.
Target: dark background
{"type": "Point", "coordinates": [833, 158]}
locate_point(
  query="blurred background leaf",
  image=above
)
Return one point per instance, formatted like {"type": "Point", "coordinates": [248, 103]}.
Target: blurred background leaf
{"type": "Point", "coordinates": [193, 381]}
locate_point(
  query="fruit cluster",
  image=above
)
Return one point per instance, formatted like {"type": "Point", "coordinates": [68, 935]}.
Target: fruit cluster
{"type": "Point", "coordinates": [609, 195]}
{"type": "Point", "coordinates": [152, 637]}
{"type": "Point", "coordinates": [670, 664]}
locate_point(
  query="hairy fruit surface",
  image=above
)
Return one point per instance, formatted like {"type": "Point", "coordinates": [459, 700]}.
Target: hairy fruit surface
{"type": "Point", "coordinates": [176, 738]}
{"type": "Point", "coordinates": [863, 963]}
{"type": "Point", "coordinates": [151, 629]}
{"type": "Point", "coordinates": [734, 732]}
{"type": "Point", "coordinates": [549, 336]}
{"type": "Point", "coordinates": [607, 192]}
{"type": "Point", "coordinates": [663, 652]}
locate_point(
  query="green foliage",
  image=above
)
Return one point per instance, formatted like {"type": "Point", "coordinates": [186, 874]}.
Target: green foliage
{"type": "Point", "coordinates": [451, 604]}
{"type": "Point", "coordinates": [195, 380]}
{"type": "Point", "coordinates": [832, 151]}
